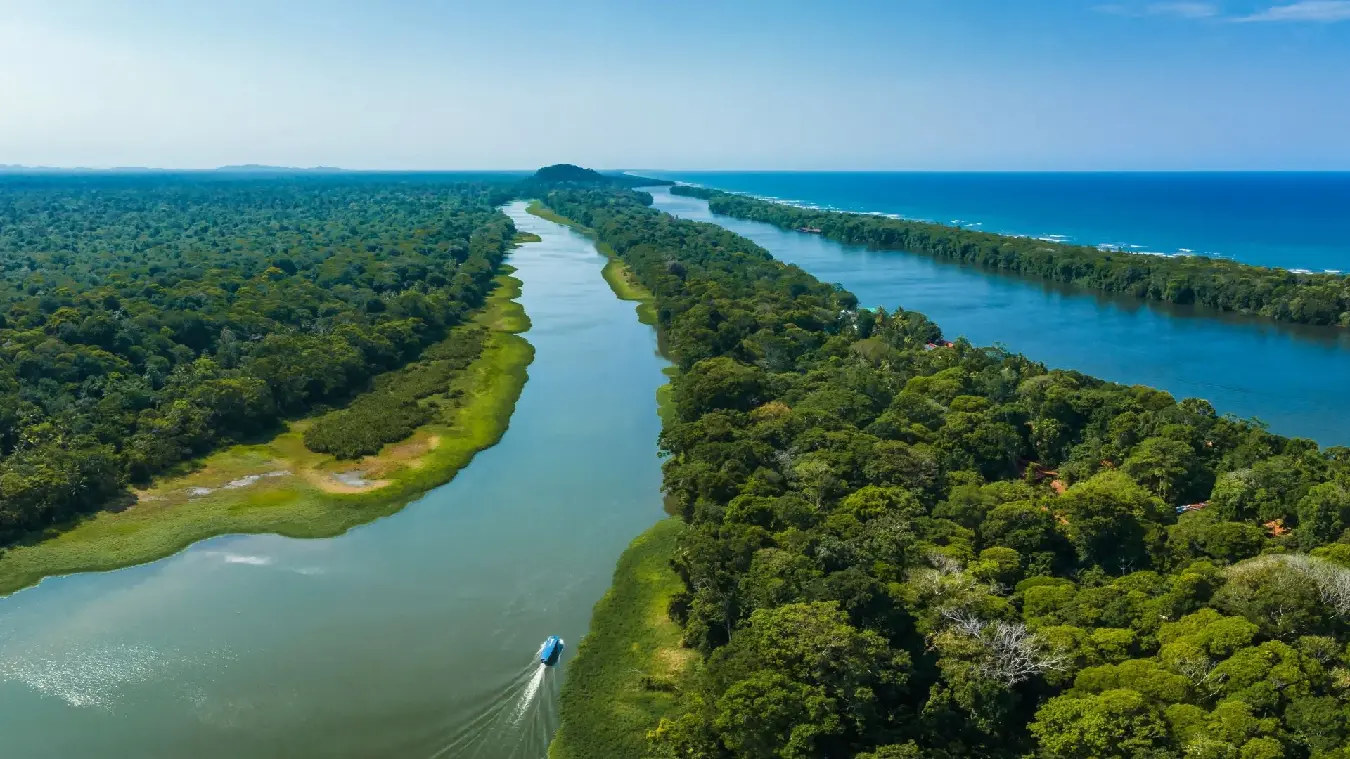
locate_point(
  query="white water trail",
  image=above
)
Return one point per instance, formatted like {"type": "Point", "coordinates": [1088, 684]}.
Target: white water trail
{"type": "Point", "coordinates": [528, 695]}
{"type": "Point", "coordinates": [516, 721]}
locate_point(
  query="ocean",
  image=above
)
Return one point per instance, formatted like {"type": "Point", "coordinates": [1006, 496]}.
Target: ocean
{"type": "Point", "coordinates": [1290, 220]}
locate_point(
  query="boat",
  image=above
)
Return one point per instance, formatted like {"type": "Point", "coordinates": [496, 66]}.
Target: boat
{"type": "Point", "coordinates": [553, 648]}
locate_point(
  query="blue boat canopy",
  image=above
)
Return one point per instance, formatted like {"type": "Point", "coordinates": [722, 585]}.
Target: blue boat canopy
{"type": "Point", "coordinates": [553, 648]}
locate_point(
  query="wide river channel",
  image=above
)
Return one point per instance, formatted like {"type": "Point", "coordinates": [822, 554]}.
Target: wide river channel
{"type": "Point", "coordinates": [1293, 378]}
{"type": "Point", "coordinates": [413, 636]}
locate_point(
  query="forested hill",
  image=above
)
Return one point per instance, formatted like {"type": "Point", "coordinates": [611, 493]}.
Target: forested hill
{"type": "Point", "coordinates": [566, 173]}
{"type": "Point", "coordinates": [146, 320]}
{"type": "Point", "coordinates": [903, 547]}
{"type": "Point", "coordinates": [1280, 294]}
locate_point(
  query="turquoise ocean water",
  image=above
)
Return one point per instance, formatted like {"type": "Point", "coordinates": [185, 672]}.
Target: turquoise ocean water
{"type": "Point", "coordinates": [1292, 220]}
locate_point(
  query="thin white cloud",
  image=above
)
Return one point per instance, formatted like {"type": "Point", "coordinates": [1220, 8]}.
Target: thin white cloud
{"type": "Point", "coordinates": [1317, 11]}
{"type": "Point", "coordinates": [1183, 10]}
{"type": "Point", "coordinates": [1174, 9]}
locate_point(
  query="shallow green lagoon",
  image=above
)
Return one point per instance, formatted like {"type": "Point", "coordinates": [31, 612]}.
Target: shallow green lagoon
{"type": "Point", "coordinates": [413, 636]}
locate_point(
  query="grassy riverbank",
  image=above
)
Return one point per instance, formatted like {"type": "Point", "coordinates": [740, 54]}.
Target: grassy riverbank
{"type": "Point", "coordinates": [624, 285]}
{"type": "Point", "coordinates": [543, 212]}
{"type": "Point", "coordinates": [623, 679]}
{"type": "Point", "coordinates": [282, 487]}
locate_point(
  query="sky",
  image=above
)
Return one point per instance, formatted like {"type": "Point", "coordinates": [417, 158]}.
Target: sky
{"type": "Point", "coordinates": [678, 84]}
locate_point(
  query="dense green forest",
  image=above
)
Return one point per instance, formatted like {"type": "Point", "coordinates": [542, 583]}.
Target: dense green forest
{"type": "Point", "coordinates": [903, 547]}
{"type": "Point", "coordinates": [145, 320]}
{"type": "Point", "coordinates": [1322, 299]}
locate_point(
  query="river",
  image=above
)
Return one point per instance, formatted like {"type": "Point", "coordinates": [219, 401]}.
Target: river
{"type": "Point", "coordinates": [1291, 377]}
{"type": "Point", "coordinates": [412, 636]}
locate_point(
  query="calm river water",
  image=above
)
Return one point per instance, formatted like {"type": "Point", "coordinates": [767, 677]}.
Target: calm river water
{"type": "Point", "coordinates": [1293, 378]}
{"type": "Point", "coordinates": [413, 636]}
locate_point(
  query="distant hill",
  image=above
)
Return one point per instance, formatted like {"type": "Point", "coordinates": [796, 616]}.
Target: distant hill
{"type": "Point", "coordinates": [18, 168]}
{"type": "Point", "coordinates": [567, 173]}
{"type": "Point", "coordinates": [246, 168]}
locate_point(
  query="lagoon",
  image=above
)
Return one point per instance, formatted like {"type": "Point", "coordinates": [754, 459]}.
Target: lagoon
{"type": "Point", "coordinates": [1291, 377]}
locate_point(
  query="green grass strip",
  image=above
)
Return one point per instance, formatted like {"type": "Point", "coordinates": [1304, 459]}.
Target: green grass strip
{"type": "Point", "coordinates": [547, 214]}
{"type": "Point", "coordinates": [623, 679]}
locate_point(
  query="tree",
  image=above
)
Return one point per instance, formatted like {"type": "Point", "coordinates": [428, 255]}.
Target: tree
{"type": "Point", "coordinates": [800, 681]}
{"type": "Point", "coordinates": [1203, 534]}
{"type": "Point", "coordinates": [1286, 596]}
{"type": "Point", "coordinates": [1267, 676]}
{"type": "Point", "coordinates": [718, 383]}
{"type": "Point", "coordinates": [1267, 490]}
{"type": "Point", "coordinates": [1321, 723]}
{"type": "Point", "coordinates": [1323, 514]}
{"type": "Point", "coordinates": [1111, 521]}
{"type": "Point", "coordinates": [770, 716]}
{"type": "Point", "coordinates": [1162, 465]}
{"type": "Point", "coordinates": [1140, 675]}
{"type": "Point", "coordinates": [896, 463]}
{"type": "Point", "coordinates": [871, 502]}
{"type": "Point", "coordinates": [1024, 526]}
{"type": "Point", "coordinates": [1116, 724]}
{"type": "Point", "coordinates": [895, 751]}
{"type": "Point", "coordinates": [1006, 652]}
{"type": "Point", "coordinates": [1231, 730]}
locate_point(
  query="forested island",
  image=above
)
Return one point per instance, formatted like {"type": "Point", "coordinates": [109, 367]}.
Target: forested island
{"type": "Point", "coordinates": [1224, 285]}
{"type": "Point", "coordinates": [900, 546]}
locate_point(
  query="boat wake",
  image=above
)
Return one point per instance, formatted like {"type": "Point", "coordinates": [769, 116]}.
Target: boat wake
{"type": "Point", "coordinates": [530, 694]}
{"type": "Point", "coordinates": [517, 722]}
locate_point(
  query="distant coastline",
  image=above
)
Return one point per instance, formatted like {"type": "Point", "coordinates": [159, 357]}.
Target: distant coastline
{"type": "Point", "coordinates": [1289, 220]}
{"type": "Point", "coordinates": [1290, 295]}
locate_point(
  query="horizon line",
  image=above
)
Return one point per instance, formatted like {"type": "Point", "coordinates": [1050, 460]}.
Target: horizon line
{"type": "Point", "coordinates": [20, 169]}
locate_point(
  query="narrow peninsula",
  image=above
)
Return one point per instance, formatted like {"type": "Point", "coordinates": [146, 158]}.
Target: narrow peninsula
{"type": "Point", "coordinates": [1283, 295]}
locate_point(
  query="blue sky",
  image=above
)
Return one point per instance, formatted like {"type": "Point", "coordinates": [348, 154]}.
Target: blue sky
{"type": "Point", "coordinates": [678, 84]}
